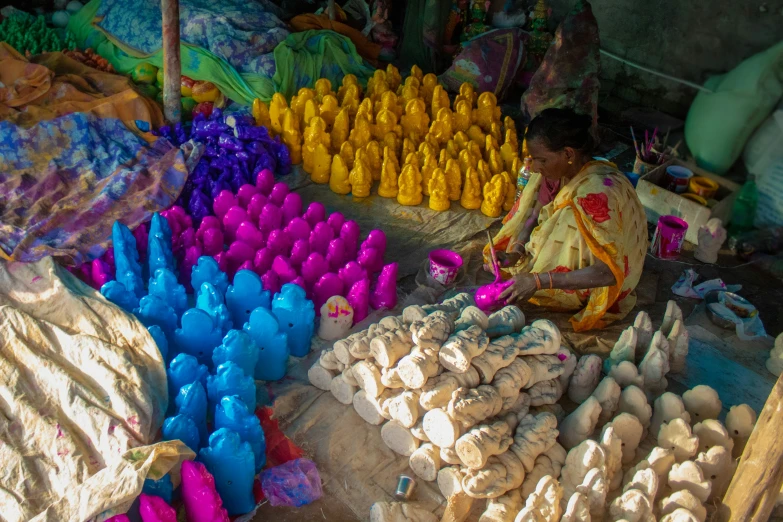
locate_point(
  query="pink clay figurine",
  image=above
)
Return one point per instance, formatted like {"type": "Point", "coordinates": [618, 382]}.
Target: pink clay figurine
{"type": "Point", "coordinates": [256, 205]}
{"type": "Point", "coordinates": [238, 253]}
{"type": "Point", "coordinates": [279, 192]}
{"type": "Point", "coordinates": [108, 258]}
{"type": "Point", "coordinates": [118, 518]}
{"type": "Point", "coordinates": [155, 509]}
{"type": "Point", "coordinates": [385, 293]}
{"type": "Point", "coordinates": [245, 194]}
{"type": "Point", "coordinates": [270, 219]}
{"type": "Point", "coordinates": [142, 240]}
{"type": "Point", "coordinates": [222, 261]}
{"type": "Point", "coordinates": [279, 242]}
{"type": "Point", "coordinates": [222, 203]}
{"type": "Point", "coordinates": [359, 299]}
{"type": "Point", "coordinates": [262, 262]}
{"type": "Point", "coordinates": [265, 180]}
{"type": "Point", "coordinates": [298, 228]}
{"type": "Point", "coordinates": [247, 265]}
{"type": "Point", "coordinates": [320, 237]}
{"type": "Point", "coordinates": [351, 273]}
{"type": "Point", "coordinates": [271, 282]}
{"type": "Point", "coordinates": [327, 286]}
{"type": "Point", "coordinates": [313, 268]}
{"type": "Point", "coordinates": [213, 241]}
{"type": "Point", "coordinates": [292, 207]}
{"type": "Point", "coordinates": [201, 499]}
{"type": "Point", "coordinates": [250, 234]}
{"type": "Point", "coordinates": [335, 254]}
{"type": "Point", "coordinates": [186, 268]}
{"type": "Point", "coordinates": [282, 267]}
{"type": "Point", "coordinates": [350, 234]}
{"type": "Point", "coordinates": [371, 259]}
{"type": "Point", "coordinates": [100, 273]}
{"type": "Point", "coordinates": [315, 213]}
{"type": "Point", "coordinates": [336, 220]}
{"type": "Point", "coordinates": [300, 282]}
{"type": "Point", "coordinates": [299, 252]}
{"type": "Point", "coordinates": [208, 223]}
{"type": "Point", "coordinates": [375, 239]}
{"type": "Point", "coordinates": [487, 296]}
{"type": "Point", "coordinates": [178, 219]}
{"type": "Point", "coordinates": [231, 221]}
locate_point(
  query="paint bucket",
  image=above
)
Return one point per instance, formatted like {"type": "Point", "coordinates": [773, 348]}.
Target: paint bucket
{"type": "Point", "coordinates": [677, 179]}
{"type": "Point", "coordinates": [405, 485]}
{"type": "Point", "coordinates": [703, 187]}
{"type": "Point", "coordinates": [695, 198]}
{"type": "Point", "coordinates": [444, 266]}
{"type": "Point", "coordinates": [669, 236]}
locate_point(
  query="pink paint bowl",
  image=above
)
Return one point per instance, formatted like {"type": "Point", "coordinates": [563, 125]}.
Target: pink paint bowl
{"type": "Point", "coordinates": [669, 236]}
{"type": "Point", "coordinates": [444, 266]}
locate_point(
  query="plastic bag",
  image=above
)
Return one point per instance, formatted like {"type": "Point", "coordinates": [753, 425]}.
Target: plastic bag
{"type": "Point", "coordinates": [763, 157]}
{"type": "Point", "coordinates": [294, 483]}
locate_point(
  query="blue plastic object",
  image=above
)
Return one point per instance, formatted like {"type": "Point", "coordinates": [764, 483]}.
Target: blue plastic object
{"type": "Point", "coordinates": [272, 345]}
{"type": "Point", "coordinates": [154, 310]}
{"type": "Point", "coordinates": [233, 414]}
{"type": "Point", "coordinates": [164, 284]}
{"type": "Point", "coordinates": [245, 295]}
{"type": "Point", "coordinates": [240, 348]}
{"type": "Point", "coordinates": [162, 488]}
{"type": "Point", "coordinates": [126, 260]}
{"type": "Point", "coordinates": [229, 379]}
{"type": "Point", "coordinates": [192, 402]}
{"type": "Point", "coordinates": [182, 427]}
{"type": "Point", "coordinates": [116, 292]}
{"type": "Point", "coordinates": [159, 254]}
{"type": "Point", "coordinates": [210, 299]}
{"type": "Point", "coordinates": [231, 463]}
{"type": "Point", "coordinates": [206, 270]}
{"type": "Point", "coordinates": [633, 177]}
{"type": "Point", "coordinates": [295, 316]}
{"type": "Point", "coordinates": [294, 483]}
{"type": "Point", "coordinates": [185, 369]}
{"type": "Point", "coordinates": [160, 341]}
{"type": "Point", "coordinates": [198, 335]}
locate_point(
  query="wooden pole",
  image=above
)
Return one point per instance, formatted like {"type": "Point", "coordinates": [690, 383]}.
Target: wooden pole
{"type": "Point", "coordinates": [754, 489]}
{"type": "Point", "coordinates": [172, 68]}
{"type": "Point", "coordinates": [330, 11]}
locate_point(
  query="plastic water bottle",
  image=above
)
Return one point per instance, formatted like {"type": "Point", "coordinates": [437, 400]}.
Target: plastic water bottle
{"type": "Point", "coordinates": [523, 176]}
{"type": "Point", "coordinates": [744, 210]}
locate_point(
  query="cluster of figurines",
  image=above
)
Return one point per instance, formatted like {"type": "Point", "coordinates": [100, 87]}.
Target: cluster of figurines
{"type": "Point", "coordinates": [407, 136]}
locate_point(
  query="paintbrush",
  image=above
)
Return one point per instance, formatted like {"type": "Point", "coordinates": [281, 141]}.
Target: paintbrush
{"type": "Point", "coordinates": [676, 146]}
{"type": "Point", "coordinates": [646, 138]}
{"type": "Point", "coordinates": [635, 145]}
{"type": "Point", "coordinates": [666, 139]}
{"type": "Point", "coordinates": [495, 265]}
{"type": "Point", "coordinates": [652, 140]}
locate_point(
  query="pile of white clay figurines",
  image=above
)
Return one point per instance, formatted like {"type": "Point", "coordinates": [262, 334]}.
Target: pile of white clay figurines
{"type": "Point", "coordinates": [471, 400]}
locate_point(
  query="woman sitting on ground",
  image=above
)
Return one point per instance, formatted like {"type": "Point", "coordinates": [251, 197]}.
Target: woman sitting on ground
{"type": "Point", "coordinates": [585, 251]}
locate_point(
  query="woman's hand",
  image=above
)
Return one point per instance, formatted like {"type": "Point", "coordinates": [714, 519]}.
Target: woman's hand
{"type": "Point", "coordinates": [522, 289]}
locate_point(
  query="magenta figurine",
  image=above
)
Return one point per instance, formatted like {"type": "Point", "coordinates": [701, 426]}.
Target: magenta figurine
{"type": "Point", "coordinates": [371, 259]}
{"type": "Point", "coordinates": [375, 239]}
{"type": "Point", "coordinates": [270, 219]}
{"type": "Point", "coordinates": [335, 254]}
{"type": "Point", "coordinates": [385, 293]}
{"type": "Point", "coordinates": [237, 254]}
{"type": "Point", "coordinates": [235, 216]}
{"type": "Point", "coordinates": [178, 219]}
{"type": "Point", "coordinates": [320, 237]}
{"type": "Point", "coordinates": [315, 213]}
{"type": "Point", "coordinates": [142, 240]}
{"type": "Point", "coordinates": [249, 233]}
{"type": "Point", "coordinates": [488, 296]}
{"type": "Point", "coordinates": [212, 241]}
{"type": "Point", "coordinates": [299, 281]}
{"type": "Point", "coordinates": [186, 267]}
{"type": "Point", "coordinates": [279, 243]}
{"type": "Point", "coordinates": [208, 223]}
{"type": "Point", "coordinates": [263, 261]}
{"type": "Point", "coordinates": [256, 205]}
{"type": "Point", "coordinates": [100, 273]}
{"type": "Point", "coordinates": [247, 265]}
{"type": "Point", "coordinates": [299, 252]}
{"type": "Point", "coordinates": [351, 273]}
{"type": "Point", "coordinates": [118, 518]}
{"type": "Point", "coordinates": [298, 228]}
{"type": "Point", "coordinates": [271, 282]}
{"type": "Point", "coordinates": [285, 272]}
{"type": "Point", "coordinates": [292, 206]}
{"type": "Point", "coordinates": [350, 234]}
{"type": "Point", "coordinates": [223, 202]}
{"type": "Point", "coordinates": [278, 194]}
{"type": "Point", "coordinates": [155, 509]}
{"type": "Point", "coordinates": [265, 180]}
{"type": "Point", "coordinates": [222, 261]}
{"type": "Point", "coordinates": [313, 268]}
{"type": "Point", "coordinates": [327, 286]}
{"type": "Point", "coordinates": [245, 194]}
{"type": "Point", "coordinates": [201, 499]}
{"type": "Point", "coordinates": [359, 299]}
{"type": "Point", "coordinates": [336, 220]}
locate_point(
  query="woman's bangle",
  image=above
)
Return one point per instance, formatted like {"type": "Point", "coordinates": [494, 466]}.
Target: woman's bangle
{"type": "Point", "coordinates": [551, 283]}
{"type": "Point", "coordinates": [538, 281]}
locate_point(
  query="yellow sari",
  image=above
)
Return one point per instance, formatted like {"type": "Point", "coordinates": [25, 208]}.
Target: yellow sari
{"type": "Point", "coordinates": [595, 216]}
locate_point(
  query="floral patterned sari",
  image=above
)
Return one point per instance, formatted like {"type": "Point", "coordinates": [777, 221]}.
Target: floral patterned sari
{"type": "Point", "coordinates": [595, 216]}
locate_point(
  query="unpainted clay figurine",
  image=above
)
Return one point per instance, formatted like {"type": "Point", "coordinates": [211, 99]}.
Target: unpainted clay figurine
{"type": "Point", "coordinates": [775, 362]}
{"type": "Point", "coordinates": [612, 445]}
{"type": "Point", "coordinates": [712, 433]}
{"type": "Point", "coordinates": [677, 436]}
{"type": "Point", "coordinates": [678, 339]}
{"type": "Point", "coordinates": [632, 505]}
{"type": "Point", "coordinates": [535, 435]}
{"type": "Point", "coordinates": [438, 390]}
{"type": "Point", "coordinates": [577, 509]}
{"type": "Point", "coordinates": [580, 423]}
{"type": "Point", "coordinates": [544, 504]}
{"type": "Point", "coordinates": [624, 349]}
{"type": "Point", "coordinates": [702, 402]}
{"type": "Point", "coordinates": [608, 395]}
{"type": "Point", "coordinates": [644, 330]}
{"type": "Point", "coordinates": [689, 476]}
{"type": "Point", "coordinates": [505, 321]}
{"type": "Point", "coordinates": [400, 512]}
{"type": "Point", "coordinates": [718, 467]}
{"type": "Point", "coordinates": [548, 463]}
{"type": "Point", "coordinates": [425, 462]}
{"type": "Point", "coordinates": [503, 508]}
{"type": "Point", "coordinates": [481, 442]}
{"type": "Point", "coordinates": [667, 407]}
{"type": "Point", "coordinates": [459, 350]}
{"type": "Point", "coordinates": [710, 238]}
{"type": "Point", "coordinates": [626, 373]}
{"type": "Point", "coordinates": [683, 500]}
{"type": "Point", "coordinates": [740, 422]}
{"type": "Point", "coordinates": [634, 401]}
{"type": "Point", "coordinates": [630, 430]}
{"type": "Point", "coordinates": [653, 369]}
{"type": "Point", "coordinates": [585, 378]}
{"type": "Point", "coordinates": [399, 438]}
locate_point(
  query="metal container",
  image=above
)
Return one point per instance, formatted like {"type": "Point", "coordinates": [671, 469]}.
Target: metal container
{"type": "Point", "coordinates": [405, 487]}
{"type": "Point", "coordinates": [713, 297]}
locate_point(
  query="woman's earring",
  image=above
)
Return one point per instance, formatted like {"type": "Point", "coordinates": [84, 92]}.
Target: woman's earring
{"type": "Point", "coordinates": [570, 162]}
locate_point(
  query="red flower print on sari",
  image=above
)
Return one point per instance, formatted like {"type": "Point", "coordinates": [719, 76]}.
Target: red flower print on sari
{"type": "Point", "coordinates": [596, 205]}
{"type": "Point", "coordinates": [615, 308]}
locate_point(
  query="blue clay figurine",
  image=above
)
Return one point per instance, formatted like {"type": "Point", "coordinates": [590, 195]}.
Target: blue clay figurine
{"type": "Point", "coordinates": [210, 299]}
{"type": "Point", "coordinates": [162, 488]}
{"type": "Point", "coordinates": [182, 427]}
{"type": "Point", "coordinates": [206, 270]}
{"type": "Point", "coordinates": [192, 402]}
{"type": "Point", "coordinates": [233, 414]}
{"type": "Point", "coordinates": [198, 335]}
{"type": "Point", "coordinates": [240, 348]}
{"type": "Point", "coordinates": [295, 315]}
{"type": "Point", "coordinates": [164, 284]}
{"type": "Point", "coordinates": [185, 369]}
{"type": "Point", "coordinates": [116, 292]}
{"type": "Point", "coordinates": [229, 379]}
{"type": "Point", "coordinates": [126, 259]}
{"type": "Point", "coordinates": [231, 463]}
{"type": "Point", "coordinates": [245, 295]}
{"type": "Point", "coordinates": [154, 310]}
{"type": "Point", "coordinates": [272, 345]}
{"type": "Point", "coordinates": [160, 341]}
{"type": "Point", "coordinates": [159, 254]}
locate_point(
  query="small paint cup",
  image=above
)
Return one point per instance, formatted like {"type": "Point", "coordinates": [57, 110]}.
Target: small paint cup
{"type": "Point", "coordinates": [405, 486]}
{"type": "Point", "coordinates": [669, 236]}
{"type": "Point", "coordinates": [677, 178]}
{"type": "Point", "coordinates": [444, 266]}
{"type": "Point", "coordinates": [695, 198]}
{"type": "Point", "coordinates": [704, 187]}
{"type": "Point", "coordinates": [633, 177]}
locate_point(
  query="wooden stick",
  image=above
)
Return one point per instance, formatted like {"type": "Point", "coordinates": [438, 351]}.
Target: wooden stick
{"type": "Point", "coordinates": [330, 9]}
{"type": "Point", "coordinates": [172, 67]}
{"type": "Point", "coordinates": [754, 489]}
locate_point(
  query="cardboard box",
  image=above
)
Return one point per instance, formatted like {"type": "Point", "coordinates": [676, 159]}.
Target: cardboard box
{"type": "Point", "coordinates": [659, 202]}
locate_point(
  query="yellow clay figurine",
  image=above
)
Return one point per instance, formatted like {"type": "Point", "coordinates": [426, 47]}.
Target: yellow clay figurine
{"type": "Point", "coordinates": [322, 164]}
{"type": "Point", "coordinates": [425, 149]}
{"type": "Point", "coordinates": [466, 161]}
{"type": "Point", "coordinates": [471, 193]}
{"type": "Point", "coordinates": [511, 139]}
{"type": "Point", "coordinates": [348, 79]}
{"type": "Point", "coordinates": [511, 192]}
{"type": "Point", "coordinates": [475, 135]}
{"type": "Point", "coordinates": [311, 110]}
{"type": "Point", "coordinates": [461, 139]}
{"type": "Point", "coordinates": [440, 99]}
{"type": "Point", "coordinates": [412, 159]}
{"type": "Point", "coordinates": [361, 134]}
{"type": "Point", "coordinates": [443, 158]}
{"type": "Point", "coordinates": [291, 136]}
{"type": "Point", "coordinates": [494, 195]}
{"type": "Point", "coordinates": [409, 183]}
{"type": "Point", "coordinates": [415, 122]}
{"type": "Point", "coordinates": [329, 109]}
{"type": "Point", "coordinates": [261, 114]}
{"type": "Point", "coordinates": [427, 170]}
{"type": "Point", "coordinates": [516, 164]}
{"type": "Point", "coordinates": [299, 101]}
{"type": "Point", "coordinates": [322, 87]}
{"type": "Point", "coordinates": [379, 76]}
{"type": "Point", "coordinates": [340, 129]}
{"type": "Point", "coordinates": [276, 108]}
{"type": "Point", "coordinates": [507, 154]}
{"type": "Point", "coordinates": [393, 77]}
{"type": "Point", "coordinates": [365, 110]}
{"type": "Point", "coordinates": [394, 142]}
{"type": "Point", "coordinates": [466, 93]}
{"type": "Point", "coordinates": [463, 116]}
{"type": "Point", "coordinates": [427, 88]}
{"type": "Point", "coordinates": [453, 179]}
{"type": "Point", "coordinates": [373, 155]}
{"type": "Point", "coordinates": [439, 192]}
{"type": "Point", "coordinates": [417, 73]}
{"type": "Point", "coordinates": [360, 177]}
{"type": "Point", "coordinates": [386, 122]}
{"type": "Point", "coordinates": [494, 130]}
{"type": "Point", "coordinates": [389, 175]}
{"type": "Point", "coordinates": [347, 153]}
{"type": "Point", "coordinates": [338, 181]}
{"type": "Point", "coordinates": [495, 162]}
{"type": "Point", "coordinates": [509, 125]}
{"type": "Point", "coordinates": [483, 172]}
{"type": "Point", "coordinates": [489, 144]}
{"type": "Point", "coordinates": [407, 148]}
{"type": "Point", "coordinates": [351, 99]}
{"type": "Point", "coordinates": [389, 102]}
{"type": "Point", "coordinates": [475, 150]}
{"type": "Point", "coordinates": [314, 134]}
{"type": "Point", "coordinates": [451, 146]}
{"type": "Point", "coordinates": [487, 111]}
{"type": "Point", "coordinates": [442, 128]}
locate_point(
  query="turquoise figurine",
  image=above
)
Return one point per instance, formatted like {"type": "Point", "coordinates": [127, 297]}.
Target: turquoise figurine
{"type": "Point", "coordinates": [240, 348]}
{"type": "Point", "coordinates": [191, 401]}
{"type": "Point", "coordinates": [162, 488]}
{"type": "Point", "coordinates": [230, 461]}
{"type": "Point", "coordinates": [182, 427]}
{"type": "Point", "coordinates": [198, 335]}
{"type": "Point", "coordinates": [233, 414]}
{"type": "Point", "coordinates": [295, 316]}
{"type": "Point", "coordinates": [159, 254]}
{"type": "Point", "coordinates": [207, 270]}
{"type": "Point", "coordinates": [229, 379]}
{"type": "Point", "coordinates": [165, 285]}
{"type": "Point", "coordinates": [210, 299]}
{"type": "Point", "coordinates": [126, 260]}
{"type": "Point", "coordinates": [272, 345]}
{"type": "Point", "coordinates": [160, 341]}
{"type": "Point", "coordinates": [116, 292]}
{"type": "Point", "coordinates": [154, 310]}
{"type": "Point", "coordinates": [245, 295]}
{"type": "Point", "coordinates": [185, 369]}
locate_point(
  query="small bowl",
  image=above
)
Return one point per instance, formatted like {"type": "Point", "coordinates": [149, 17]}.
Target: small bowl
{"type": "Point", "coordinates": [444, 266]}
{"type": "Point", "coordinates": [704, 187]}
{"type": "Point", "coordinates": [677, 178]}
{"type": "Point", "coordinates": [695, 198]}
{"type": "Point", "coordinates": [714, 297]}
{"type": "Point", "coordinates": [633, 177]}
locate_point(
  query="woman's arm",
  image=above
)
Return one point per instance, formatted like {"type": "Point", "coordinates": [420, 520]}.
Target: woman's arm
{"type": "Point", "coordinates": [594, 276]}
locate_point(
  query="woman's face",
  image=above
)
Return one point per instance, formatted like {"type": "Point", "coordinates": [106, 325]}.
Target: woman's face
{"type": "Point", "coordinates": [550, 164]}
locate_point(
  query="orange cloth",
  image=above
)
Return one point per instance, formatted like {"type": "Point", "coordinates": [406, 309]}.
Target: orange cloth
{"type": "Point", "coordinates": [367, 49]}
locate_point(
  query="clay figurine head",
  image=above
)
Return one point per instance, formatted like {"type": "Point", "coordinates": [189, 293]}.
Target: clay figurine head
{"type": "Point", "coordinates": [336, 318]}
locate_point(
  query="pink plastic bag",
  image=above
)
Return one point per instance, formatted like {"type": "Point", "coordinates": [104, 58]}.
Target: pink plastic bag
{"type": "Point", "coordinates": [294, 483]}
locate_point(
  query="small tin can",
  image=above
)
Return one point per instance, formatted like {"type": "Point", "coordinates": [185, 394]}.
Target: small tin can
{"type": "Point", "coordinates": [405, 486]}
